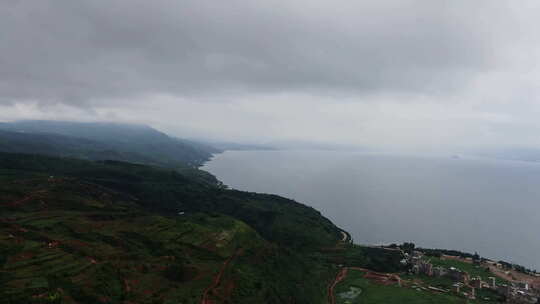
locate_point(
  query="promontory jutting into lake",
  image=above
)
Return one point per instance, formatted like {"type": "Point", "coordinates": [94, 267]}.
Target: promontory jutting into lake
{"type": "Point", "coordinates": [472, 204]}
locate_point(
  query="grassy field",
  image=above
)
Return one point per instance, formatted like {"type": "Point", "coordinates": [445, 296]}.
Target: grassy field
{"type": "Point", "coordinates": [372, 293]}
{"type": "Point", "coordinates": [473, 270]}
{"type": "Point", "coordinates": [439, 282]}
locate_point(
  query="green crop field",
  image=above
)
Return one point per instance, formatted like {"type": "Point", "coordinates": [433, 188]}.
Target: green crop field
{"type": "Point", "coordinates": [369, 292]}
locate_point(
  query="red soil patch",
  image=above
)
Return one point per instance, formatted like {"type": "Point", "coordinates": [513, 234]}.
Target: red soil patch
{"type": "Point", "coordinates": [23, 257]}
{"type": "Point", "coordinates": [25, 199]}
{"type": "Point", "coordinates": [217, 279]}
{"type": "Point", "coordinates": [77, 243]}
{"type": "Point", "coordinates": [455, 258]}
{"type": "Point", "coordinates": [379, 277]}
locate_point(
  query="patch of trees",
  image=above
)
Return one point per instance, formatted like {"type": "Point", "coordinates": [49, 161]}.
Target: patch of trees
{"type": "Point", "coordinates": [408, 247]}
{"type": "Point", "coordinates": [439, 252]}
{"type": "Point", "coordinates": [517, 267]}
{"type": "Point", "coordinates": [382, 260]}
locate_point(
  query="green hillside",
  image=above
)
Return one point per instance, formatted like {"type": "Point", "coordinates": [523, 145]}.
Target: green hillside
{"type": "Point", "coordinates": [169, 192]}
{"type": "Point", "coordinates": [74, 231]}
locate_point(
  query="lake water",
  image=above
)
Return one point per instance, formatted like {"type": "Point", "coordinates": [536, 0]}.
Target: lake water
{"type": "Point", "coordinates": [469, 204]}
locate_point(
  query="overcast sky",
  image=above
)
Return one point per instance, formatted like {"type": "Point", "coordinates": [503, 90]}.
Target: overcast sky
{"type": "Point", "coordinates": [394, 74]}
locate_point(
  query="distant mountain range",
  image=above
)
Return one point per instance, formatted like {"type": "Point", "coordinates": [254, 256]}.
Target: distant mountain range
{"type": "Point", "coordinates": [103, 141]}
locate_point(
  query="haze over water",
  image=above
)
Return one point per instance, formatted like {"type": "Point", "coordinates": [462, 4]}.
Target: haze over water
{"type": "Point", "coordinates": [469, 204]}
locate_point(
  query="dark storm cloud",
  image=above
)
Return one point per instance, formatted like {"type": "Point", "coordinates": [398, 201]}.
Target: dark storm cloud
{"type": "Point", "coordinates": [76, 52]}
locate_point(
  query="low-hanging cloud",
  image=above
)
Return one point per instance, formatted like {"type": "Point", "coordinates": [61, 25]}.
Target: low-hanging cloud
{"type": "Point", "coordinates": [76, 51]}
{"type": "Point", "coordinates": [399, 72]}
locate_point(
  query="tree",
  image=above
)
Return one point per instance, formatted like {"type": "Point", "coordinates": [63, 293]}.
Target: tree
{"type": "Point", "coordinates": [408, 247]}
{"type": "Point", "coordinates": [476, 258]}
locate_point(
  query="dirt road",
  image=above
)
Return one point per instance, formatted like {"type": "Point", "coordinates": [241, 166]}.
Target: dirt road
{"type": "Point", "coordinates": [342, 274]}
{"type": "Point", "coordinates": [217, 279]}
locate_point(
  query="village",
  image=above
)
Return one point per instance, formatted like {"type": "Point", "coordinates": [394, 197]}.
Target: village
{"type": "Point", "coordinates": [515, 291]}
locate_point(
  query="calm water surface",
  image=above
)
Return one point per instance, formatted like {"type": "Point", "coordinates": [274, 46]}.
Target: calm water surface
{"type": "Point", "coordinates": [489, 206]}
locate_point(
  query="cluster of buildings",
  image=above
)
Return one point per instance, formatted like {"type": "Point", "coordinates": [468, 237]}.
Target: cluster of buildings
{"type": "Point", "coordinates": [423, 266]}
{"type": "Point", "coordinates": [518, 293]}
